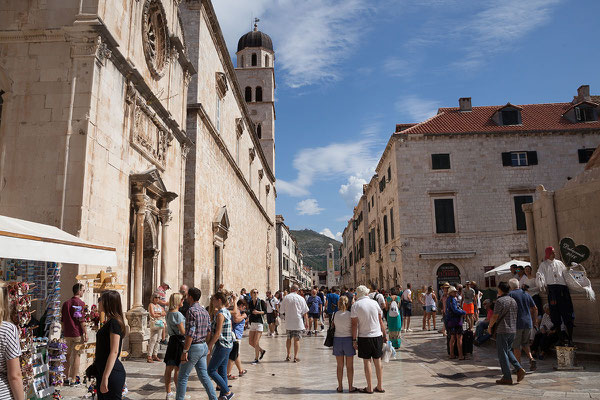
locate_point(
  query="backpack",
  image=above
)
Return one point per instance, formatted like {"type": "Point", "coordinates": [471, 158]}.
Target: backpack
{"type": "Point", "coordinates": [393, 309]}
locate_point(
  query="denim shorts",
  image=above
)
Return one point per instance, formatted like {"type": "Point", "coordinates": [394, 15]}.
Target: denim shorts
{"type": "Point", "coordinates": [342, 346]}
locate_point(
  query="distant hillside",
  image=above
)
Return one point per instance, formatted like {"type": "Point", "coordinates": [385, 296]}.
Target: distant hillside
{"type": "Point", "coordinates": [314, 248]}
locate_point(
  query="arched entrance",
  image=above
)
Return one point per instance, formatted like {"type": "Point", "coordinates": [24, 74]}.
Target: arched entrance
{"type": "Point", "coordinates": [151, 252]}
{"type": "Point", "coordinates": [447, 272]}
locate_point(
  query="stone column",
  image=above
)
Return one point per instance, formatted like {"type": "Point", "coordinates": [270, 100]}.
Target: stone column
{"type": "Point", "coordinates": [138, 269]}
{"type": "Point", "coordinates": [528, 210]}
{"type": "Point", "coordinates": [547, 200]}
{"type": "Point", "coordinates": [165, 217]}
{"type": "Point", "coordinates": [137, 317]}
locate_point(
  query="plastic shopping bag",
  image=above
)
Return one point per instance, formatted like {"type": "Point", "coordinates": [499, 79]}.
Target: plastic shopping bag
{"type": "Point", "coordinates": [388, 352]}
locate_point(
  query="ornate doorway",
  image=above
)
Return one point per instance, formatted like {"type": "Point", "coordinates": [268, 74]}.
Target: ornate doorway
{"type": "Point", "coordinates": [151, 253]}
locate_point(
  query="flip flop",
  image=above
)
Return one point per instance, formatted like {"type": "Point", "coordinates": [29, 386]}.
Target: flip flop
{"type": "Point", "coordinates": [287, 359]}
{"type": "Point", "coordinates": [339, 390]}
{"type": "Point", "coordinates": [379, 390]}
{"type": "Point", "coordinates": [296, 360]}
{"type": "Point", "coordinates": [353, 390]}
{"type": "Point", "coordinates": [364, 390]}
{"type": "Point", "coordinates": [243, 372]}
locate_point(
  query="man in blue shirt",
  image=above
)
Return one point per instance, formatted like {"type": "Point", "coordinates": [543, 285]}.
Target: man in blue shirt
{"type": "Point", "coordinates": [526, 317]}
{"type": "Point", "coordinates": [315, 306]}
{"type": "Point", "coordinates": [331, 302]}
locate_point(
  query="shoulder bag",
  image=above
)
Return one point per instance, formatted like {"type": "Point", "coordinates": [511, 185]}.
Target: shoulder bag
{"type": "Point", "coordinates": [330, 333]}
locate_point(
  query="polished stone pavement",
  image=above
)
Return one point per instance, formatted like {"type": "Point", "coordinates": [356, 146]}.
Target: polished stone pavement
{"type": "Point", "coordinates": [421, 369]}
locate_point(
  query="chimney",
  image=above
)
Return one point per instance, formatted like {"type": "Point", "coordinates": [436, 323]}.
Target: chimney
{"type": "Point", "coordinates": [583, 93]}
{"type": "Point", "coordinates": [464, 104]}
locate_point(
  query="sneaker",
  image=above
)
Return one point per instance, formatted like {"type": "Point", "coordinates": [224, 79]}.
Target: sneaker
{"type": "Point", "coordinates": [403, 330]}
{"type": "Point", "coordinates": [262, 354]}
{"type": "Point", "coordinates": [309, 333]}
{"type": "Point", "coordinates": [227, 396]}
{"type": "Point", "coordinates": [255, 362]}
{"type": "Point", "coordinates": [409, 330]}
{"type": "Point", "coordinates": [170, 395]}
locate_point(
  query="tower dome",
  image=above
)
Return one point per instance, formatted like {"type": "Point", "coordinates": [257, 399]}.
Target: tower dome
{"type": "Point", "coordinates": [255, 38]}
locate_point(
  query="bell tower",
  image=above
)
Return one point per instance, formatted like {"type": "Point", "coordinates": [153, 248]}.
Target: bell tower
{"type": "Point", "coordinates": [256, 75]}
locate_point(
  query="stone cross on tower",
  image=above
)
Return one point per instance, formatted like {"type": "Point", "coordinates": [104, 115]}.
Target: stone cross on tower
{"type": "Point", "coordinates": [256, 75]}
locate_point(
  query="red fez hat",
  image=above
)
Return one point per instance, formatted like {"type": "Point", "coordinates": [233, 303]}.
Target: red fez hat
{"type": "Point", "coordinates": [549, 251]}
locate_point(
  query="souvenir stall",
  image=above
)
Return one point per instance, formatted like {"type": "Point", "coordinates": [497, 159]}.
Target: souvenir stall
{"type": "Point", "coordinates": [30, 262]}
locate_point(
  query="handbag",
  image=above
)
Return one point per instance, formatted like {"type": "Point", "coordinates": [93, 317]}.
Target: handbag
{"type": "Point", "coordinates": [262, 316]}
{"type": "Point", "coordinates": [91, 371]}
{"type": "Point", "coordinates": [330, 334]}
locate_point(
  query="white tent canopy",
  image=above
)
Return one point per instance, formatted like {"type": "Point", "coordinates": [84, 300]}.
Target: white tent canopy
{"type": "Point", "coordinates": [505, 268]}
{"type": "Point", "coordinates": [32, 241]}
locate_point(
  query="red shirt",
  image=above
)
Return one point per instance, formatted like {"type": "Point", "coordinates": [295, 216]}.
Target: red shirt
{"type": "Point", "coordinates": [71, 325]}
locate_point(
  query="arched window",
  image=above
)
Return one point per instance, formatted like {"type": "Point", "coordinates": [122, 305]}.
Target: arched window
{"type": "Point", "coordinates": [259, 130]}
{"type": "Point", "coordinates": [241, 62]}
{"type": "Point", "coordinates": [266, 61]}
{"type": "Point", "coordinates": [254, 59]}
{"type": "Point", "coordinates": [258, 96]}
{"type": "Point", "coordinates": [248, 94]}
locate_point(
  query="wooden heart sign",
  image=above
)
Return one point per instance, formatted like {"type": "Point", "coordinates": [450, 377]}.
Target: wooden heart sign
{"type": "Point", "coordinates": [571, 253]}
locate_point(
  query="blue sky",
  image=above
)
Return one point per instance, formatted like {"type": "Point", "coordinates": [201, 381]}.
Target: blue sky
{"type": "Point", "coordinates": [348, 70]}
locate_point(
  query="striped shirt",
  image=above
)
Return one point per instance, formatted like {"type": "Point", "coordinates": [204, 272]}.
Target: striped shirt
{"type": "Point", "coordinates": [226, 338]}
{"type": "Point", "coordinates": [197, 323]}
{"type": "Point", "coordinates": [10, 348]}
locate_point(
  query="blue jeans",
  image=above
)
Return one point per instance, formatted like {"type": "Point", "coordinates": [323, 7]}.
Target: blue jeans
{"type": "Point", "coordinates": [481, 333]}
{"type": "Point", "coordinates": [217, 367]}
{"type": "Point", "coordinates": [196, 359]}
{"type": "Point", "coordinates": [504, 342]}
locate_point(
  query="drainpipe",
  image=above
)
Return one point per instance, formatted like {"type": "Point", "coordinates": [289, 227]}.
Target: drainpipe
{"type": "Point", "coordinates": [67, 145]}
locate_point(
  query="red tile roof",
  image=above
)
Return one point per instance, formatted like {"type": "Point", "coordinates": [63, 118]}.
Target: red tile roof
{"type": "Point", "coordinates": [535, 117]}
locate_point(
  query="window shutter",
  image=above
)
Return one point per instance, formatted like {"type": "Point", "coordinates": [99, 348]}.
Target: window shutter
{"type": "Point", "coordinates": [578, 113]}
{"type": "Point", "coordinates": [506, 159]}
{"type": "Point", "coordinates": [532, 158]}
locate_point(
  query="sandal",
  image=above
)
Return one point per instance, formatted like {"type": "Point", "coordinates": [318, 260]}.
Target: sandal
{"type": "Point", "coordinates": [339, 390]}
{"type": "Point", "coordinates": [353, 389]}
{"type": "Point", "coordinates": [231, 377]}
{"type": "Point", "coordinates": [364, 390]}
{"type": "Point", "coordinates": [296, 360]}
{"type": "Point", "coordinates": [287, 358]}
{"type": "Point", "coordinates": [380, 390]}
{"type": "Point", "coordinates": [149, 360]}
{"type": "Point", "coordinates": [243, 372]}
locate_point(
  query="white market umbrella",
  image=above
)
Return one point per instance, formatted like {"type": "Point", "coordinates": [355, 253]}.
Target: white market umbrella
{"type": "Point", "coordinates": [28, 240]}
{"type": "Point", "coordinates": [505, 268]}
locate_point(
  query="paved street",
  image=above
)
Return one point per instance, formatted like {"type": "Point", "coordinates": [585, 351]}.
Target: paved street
{"type": "Point", "coordinates": [422, 368]}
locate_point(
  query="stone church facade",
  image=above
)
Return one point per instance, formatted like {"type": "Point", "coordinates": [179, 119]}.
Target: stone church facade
{"type": "Point", "coordinates": [99, 135]}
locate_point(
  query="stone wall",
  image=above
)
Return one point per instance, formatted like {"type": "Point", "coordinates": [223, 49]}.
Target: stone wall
{"type": "Point", "coordinates": [48, 49]}
{"type": "Point", "coordinates": [574, 211]}
{"type": "Point", "coordinates": [227, 169]}
{"type": "Point", "coordinates": [483, 192]}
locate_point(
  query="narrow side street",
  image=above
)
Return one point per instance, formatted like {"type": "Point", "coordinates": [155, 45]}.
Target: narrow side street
{"type": "Point", "coordinates": [421, 369]}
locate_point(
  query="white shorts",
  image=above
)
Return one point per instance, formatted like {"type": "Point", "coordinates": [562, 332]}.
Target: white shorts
{"type": "Point", "coordinates": [256, 327]}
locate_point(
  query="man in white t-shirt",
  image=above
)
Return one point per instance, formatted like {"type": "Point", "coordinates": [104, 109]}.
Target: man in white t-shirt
{"type": "Point", "coordinates": [368, 336]}
{"type": "Point", "coordinates": [272, 303]}
{"type": "Point", "coordinates": [406, 308]}
{"type": "Point", "coordinates": [293, 309]}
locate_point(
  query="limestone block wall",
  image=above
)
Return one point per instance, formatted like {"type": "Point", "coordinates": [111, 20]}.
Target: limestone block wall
{"type": "Point", "coordinates": [577, 213]}
{"type": "Point", "coordinates": [483, 193]}
{"type": "Point", "coordinates": [225, 169]}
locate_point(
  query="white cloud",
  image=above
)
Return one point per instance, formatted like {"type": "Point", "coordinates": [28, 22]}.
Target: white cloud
{"type": "Point", "coordinates": [482, 29]}
{"type": "Point", "coordinates": [311, 37]}
{"type": "Point", "coordinates": [327, 232]}
{"type": "Point", "coordinates": [416, 108]}
{"type": "Point", "coordinates": [336, 159]}
{"type": "Point", "coordinates": [395, 66]}
{"type": "Point", "coordinates": [352, 191]}
{"type": "Point", "coordinates": [308, 207]}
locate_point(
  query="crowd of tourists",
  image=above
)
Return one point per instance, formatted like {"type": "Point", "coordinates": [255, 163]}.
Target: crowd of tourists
{"type": "Point", "coordinates": [360, 322]}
